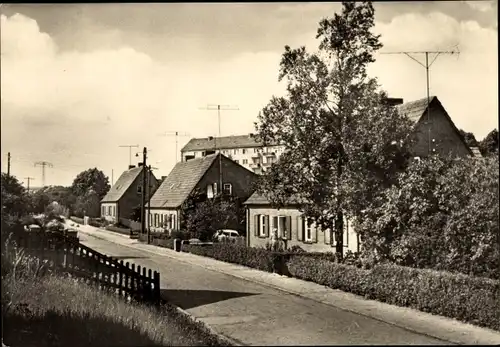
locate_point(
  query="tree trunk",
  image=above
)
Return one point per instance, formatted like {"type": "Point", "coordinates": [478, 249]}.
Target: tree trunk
{"type": "Point", "coordinates": [339, 233]}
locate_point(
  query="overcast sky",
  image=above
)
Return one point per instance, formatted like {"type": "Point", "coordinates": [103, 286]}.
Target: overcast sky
{"type": "Point", "coordinates": [79, 80]}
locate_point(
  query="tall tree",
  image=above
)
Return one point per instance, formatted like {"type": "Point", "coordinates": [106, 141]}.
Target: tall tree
{"type": "Point", "coordinates": [469, 138]}
{"type": "Point", "coordinates": [489, 145]}
{"type": "Point", "coordinates": [91, 179]}
{"type": "Point", "coordinates": [15, 200]}
{"type": "Point", "coordinates": [342, 141]}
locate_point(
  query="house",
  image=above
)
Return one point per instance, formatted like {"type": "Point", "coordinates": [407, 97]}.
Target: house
{"type": "Point", "coordinates": [434, 131]}
{"type": "Point", "coordinates": [262, 218]}
{"type": "Point", "coordinates": [476, 152]}
{"type": "Point", "coordinates": [199, 178]}
{"type": "Point", "coordinates": [126, 194]}
{"type": "Point", "coordinates": [245, 150]}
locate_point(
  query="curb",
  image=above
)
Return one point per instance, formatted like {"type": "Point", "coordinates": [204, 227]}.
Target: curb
{"type": "Point", "coordinates": [387, 321]}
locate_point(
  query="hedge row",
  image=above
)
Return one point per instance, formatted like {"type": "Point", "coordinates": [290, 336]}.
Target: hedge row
{"type": "Point", "coordinates": [469, 299]}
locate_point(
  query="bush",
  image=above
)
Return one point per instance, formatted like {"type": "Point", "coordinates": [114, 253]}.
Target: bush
{"type": "Point", "coordinates": [76, 219]}
{"type": "Point", "coordinates": [180, 234]}
{"type": "Point", "coordinates": [469, 299]}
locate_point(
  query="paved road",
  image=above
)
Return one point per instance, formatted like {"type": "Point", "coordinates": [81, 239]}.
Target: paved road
{"type": "Point", "coordinates": [255, 314]}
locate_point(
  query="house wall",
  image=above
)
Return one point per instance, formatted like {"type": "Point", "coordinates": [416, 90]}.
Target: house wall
{"type": "Point", "coordinates": [109, 211]}
{"type": "Point", "coordinates": [446, 140]}
{"type": "Point", "coordinates": [244, 156]}
{"type": "Point", "coordinates": [132, 197]}
{"type": "Point", "coordinates": [321, 243]}
{"type": "Point", "coordinates": [157, 217]}
{"type": "Point", "coordinates": [241, 180]}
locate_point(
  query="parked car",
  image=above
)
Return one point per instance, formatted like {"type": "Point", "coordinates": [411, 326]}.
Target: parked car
{"type": "Point", "coordinates": [226, 234]}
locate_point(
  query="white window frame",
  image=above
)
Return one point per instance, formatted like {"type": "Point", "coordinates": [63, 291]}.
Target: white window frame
{"type": "Point", "coordinates": [245, 161]}
{"type": "Point", "coordinates": [139, 189]}
{"type": "Point", "coordinates": [230, 186]}
{"type": "Point", "coordinates": [262, 225]}
{"type": "Point", "coordinates": [215, 188]}
{"type": "Point", "coordinates": [281, 222]}
{"type": "Point", "coordinates": [310, 229]}
{"type": "Point", "coordinates": [244, 151]}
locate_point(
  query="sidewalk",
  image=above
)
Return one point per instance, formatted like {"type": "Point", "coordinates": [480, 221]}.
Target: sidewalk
{"type": "Point", "coordinates": [420, 322]}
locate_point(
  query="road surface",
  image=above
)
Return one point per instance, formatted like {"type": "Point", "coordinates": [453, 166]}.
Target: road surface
{"type": "Point", "coordinates": [255, 314]}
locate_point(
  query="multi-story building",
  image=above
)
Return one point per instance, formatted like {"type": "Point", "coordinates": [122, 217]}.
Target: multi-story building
{"type": "Point", "coordinates": [245, 150]}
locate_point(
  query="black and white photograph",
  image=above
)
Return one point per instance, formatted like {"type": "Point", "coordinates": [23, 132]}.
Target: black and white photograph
{"type": "Point", "coordinates": [250, 173]}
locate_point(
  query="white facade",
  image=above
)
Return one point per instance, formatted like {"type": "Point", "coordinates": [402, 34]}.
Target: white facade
{"type": "Point", "coordinates": [109, 211]}
{"type": "Point", "coordinates": [255, 159]}
{"type": "Point", "coordinates": [162, 219]}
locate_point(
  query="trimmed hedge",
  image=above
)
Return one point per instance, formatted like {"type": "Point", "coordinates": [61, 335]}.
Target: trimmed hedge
{"type": "Point", "coordinates": [469, 299]}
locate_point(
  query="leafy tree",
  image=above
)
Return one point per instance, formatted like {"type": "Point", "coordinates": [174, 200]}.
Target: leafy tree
{"type": "Point", "coordinates": [91, 179]}
{"type": "Point", "coordinates": [88, 205]}
{"type": "Point", "coordinates": [343, 143]}
{"type": "Point", "coordinates": [135, 215]}
{"type": "Point", "coordinates": [15, 199]}
{"type": "Point", "coordinates": [489, 145]}
{"type": "Point", "coordinates": [211, 215]}
{"type": "Point", "coordinates": [469, 138]}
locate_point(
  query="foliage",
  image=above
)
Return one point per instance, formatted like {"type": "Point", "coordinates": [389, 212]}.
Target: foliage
{"type": "Point", "coordinates": [91, 180]}
{"type": "Point", "coordinates": [489, 145]}
{"type": "Point", "coordinates": [46, 195]}
{"type": "Point", "coordinates": [343, 143]}
{"type": "Point", "coordinates": [15, 199]}
{"type": "Point", "coordinates": [442, 213]}
{"type": "Point", "coordinates": [466, 298]}
{"type": "Point", "coordinates": [180, 234]}
{"type": "Point", "coordinates": [87, 205]}
{"type": "Point", "coordinates": [211, 215]}
{"type": "Point", "coordinates": [469, 138]}
{"type": "Point", "coordinates": [135, 215]}
{"type": "Point", "coordinates": [56, 210]}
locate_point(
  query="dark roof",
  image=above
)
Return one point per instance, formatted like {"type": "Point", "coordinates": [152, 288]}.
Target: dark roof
{"type": "Point", "coordinates": [180, 182]}
{"type": "Point", "coordinates": [476, 152]}
{"type": "Point", "coordinates": [260, 199]}
{"type": "Point", "coordinates": [122, 185]}
{"type": "Point", "coordinates": [225, 142]}
{"type": "Point", "coordinates": [415, 109]}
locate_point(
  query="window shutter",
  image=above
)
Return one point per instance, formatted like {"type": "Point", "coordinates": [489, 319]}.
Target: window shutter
{"type": "Point", "coordinates": [314, 233]}
{"type": "Point", "coordinates": [288, 228]}
{"type": "Point", "coordinates": [267, 225]}
{"type": "Point", "coordinates": [328, 239]}
{"type": "Point", "coordinates": [256, 220]}
{"type": "Point", "coordinates": [346, 233]}
{"type": "Point", "coordinates": [300, 229]}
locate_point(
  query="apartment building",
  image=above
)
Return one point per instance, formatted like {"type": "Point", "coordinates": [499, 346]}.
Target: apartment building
{"type": "Point", "coordinates": [245, 150]}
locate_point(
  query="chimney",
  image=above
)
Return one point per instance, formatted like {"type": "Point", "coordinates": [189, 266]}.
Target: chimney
{"type": "Point", "coordinates": [131, 167]}
{"type": "Point", "coordinates": [139, 165]}
{"type": "Point", "coordinates": [163, 178]}
{"type": "Point", "coordinates": [251, 134]}
{"type": "Point", "coordinates": [393, 101]}
{"type": "Point", "coordinates": [210, 138]}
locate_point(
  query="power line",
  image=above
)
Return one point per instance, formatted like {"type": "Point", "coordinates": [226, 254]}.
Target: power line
{"type": "Point", "coordinates": [43, 164]}
{"type": "Point", "coordinates": [8, 164]}
{"type": "Point", "coordinates": [176, 134]}
{"type": "Point", "coordinates": [212, 107]}
{"type": "Point", "coordinates": [427, 66]}
{"type": "Point", "coordinates": [129, 152]}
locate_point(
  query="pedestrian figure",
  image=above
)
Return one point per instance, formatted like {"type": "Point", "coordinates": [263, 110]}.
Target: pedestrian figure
{"type": "Point", "coordinates": [274, 239]}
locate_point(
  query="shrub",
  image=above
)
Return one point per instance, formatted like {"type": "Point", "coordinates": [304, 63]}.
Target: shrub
{"type": "Point", "coordinates": [469, 299]}
{"type": "Point", "coordinates": [76, 219]}
{"type": "Point", "coordinates": [180, 234]}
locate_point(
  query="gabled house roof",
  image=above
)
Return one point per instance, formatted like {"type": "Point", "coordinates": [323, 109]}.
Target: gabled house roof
{"type": "Point", "coordinates": [259, 199]}
{"type": "Point", "coordinates": [181, 181]}
{"type": "Point", "coordinates": [416, 110]}
{"type": "Point", "coordinates": [225, 142]}
{"type": "Point", "coordinates": [122, 185]}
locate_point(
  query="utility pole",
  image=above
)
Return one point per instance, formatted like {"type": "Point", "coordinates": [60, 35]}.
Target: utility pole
{"type": "Point", "coordinates": [129, 152]}
{"type": "Point", "coordinates": [212, 107]}
{"type": "Point", "coordinates": [150, 169]}
{"type": "Point", "coordinates": [427, 66]}
{"type": "Point", "coordinates": [176, 134]}
{"type": "Point", "coordinates": [143, 201]}
{"type": "Point", "coordinates": [8, 164]}
{"type": "Point", "coordinates": [29, 179]}
{"type": "Point", "coordinates": [43, 164]}
{"type": "Point", "coordinates": [112, 178]}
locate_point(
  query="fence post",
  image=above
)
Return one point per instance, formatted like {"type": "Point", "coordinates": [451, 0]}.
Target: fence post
{"type": "Point", "coordinates": [150, 285]}
{"type": "Point", "coordinates": [133, 280]}
{"type": "Point", "coordinates": [139, 282]}
{"type": "Point", "coordinates": [120, 277]}
{"type": "Point", "coordinates": [156, 286]}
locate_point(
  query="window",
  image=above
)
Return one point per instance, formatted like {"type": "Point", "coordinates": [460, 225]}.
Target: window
{"type": "Point", "coordinates": [235, 151]}
{"type": "Point", "coordinates": [263, 225]}
{"type": "Point", "coordinates": [256, 150]}
{"type": "Point", "coordinates": [103, 211]}
{"type": "Point", "coordinates": [215, 188]}
{"type": "Point", "coordinates": [139, 189]}
{"type": "Point", "coordinates": [245, 161]}
{"type": "Point", "coordinates": [244, 151]}
{"type": "Point", "coordinates": [173, 221]}
{"type": "Point", "coordinates": [237, 161]}
{"type": "Point", "coordinates": [228, 188]}
{"type": "Point", "coordinates": [161, 221]}
{"type": "Point", "coordinates": [156, 220]}
{"type": "Point", "coordinates": [109, 210]}
{"type": "Point", "coordinates": [283, 225]}
{"type": "Point", "coordinates": [308, 230]}
{"type": "Point", "coordinates": [114, 211]}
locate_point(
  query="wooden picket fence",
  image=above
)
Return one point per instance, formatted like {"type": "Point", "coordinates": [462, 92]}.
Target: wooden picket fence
{"type": "Point", "coordinates": [67, 255]}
